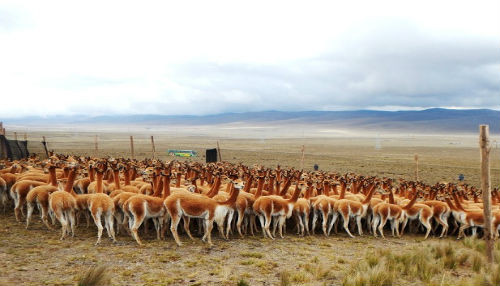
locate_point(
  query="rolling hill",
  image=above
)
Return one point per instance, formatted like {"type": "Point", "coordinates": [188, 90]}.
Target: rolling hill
{"type": "Point", "coordinates": [435, 120]}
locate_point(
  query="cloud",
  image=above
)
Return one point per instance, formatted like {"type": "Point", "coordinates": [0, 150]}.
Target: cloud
{"type": "Point", "coordinates": [205, 58]}
{"type": "Point", "coordinates": [398, 66]}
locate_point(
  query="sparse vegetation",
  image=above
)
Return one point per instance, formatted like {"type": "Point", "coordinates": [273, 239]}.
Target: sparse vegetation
{"type": "Point", "coordinates": [365, 275]}
{"type": "Point", "coordinates": [429, 263]}
{"type": "Point", "coordinates": [490, 277]}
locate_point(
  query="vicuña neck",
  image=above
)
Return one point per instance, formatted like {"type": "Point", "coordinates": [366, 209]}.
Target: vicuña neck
{"type": "Point", "coordinates": [260, 186]}
{"type": "Point", "coordinates": [91, 173]}
{"type": "Point", "coordinates": [99, 182]}
{"type": "Point", "coordinates": [116, 178]}
{"type": "Point", "coordinates": [71, 180]}
{"type": "Point", "coordinates": [166, 186]}
{"type": "Point", "coordinates": [52, 176]}
{"type": "Point", "coordinates": [295, 195]}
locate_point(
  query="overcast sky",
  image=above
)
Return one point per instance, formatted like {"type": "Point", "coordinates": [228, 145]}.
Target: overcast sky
{"type": "Point", "coordinates": [206, 57]}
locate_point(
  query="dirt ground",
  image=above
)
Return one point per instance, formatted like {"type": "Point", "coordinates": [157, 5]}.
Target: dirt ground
{"type": "Point", "coordinates": [37, 257]}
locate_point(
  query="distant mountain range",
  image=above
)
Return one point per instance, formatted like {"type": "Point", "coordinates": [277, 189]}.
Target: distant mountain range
{"type": "Point", "coordinates": [429, 120]}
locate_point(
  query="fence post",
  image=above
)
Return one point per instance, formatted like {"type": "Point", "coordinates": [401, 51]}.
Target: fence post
{"type": "Point", "coordinates": [302, 158]}
{"type": "Point", "coordinates": [15, 135]}
{"type": "Point", "coordinates": [25, 136]}
{"type": "Point", "coordinates": [416, 161]}
{"type": "Point", "coordinates": [153, 149]}
{"type": "Point", "coordinates": [96, 147]}
{"type": "Point", "coordinates": [3, 147]}
{"type": "Point", "coordinates": [44, 142]}
{"type": "Point", "coordinates": [218, 151]}
{"type": "Point", "coordinates": [132, 146]}
{"type": "Point", "coordinates": [484, 144]}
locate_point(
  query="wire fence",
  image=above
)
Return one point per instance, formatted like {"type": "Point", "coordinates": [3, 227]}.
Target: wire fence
{"type": "Point", "coordinates": [13, 149]}
{"type": "Point", "coordinates": [105, 145]}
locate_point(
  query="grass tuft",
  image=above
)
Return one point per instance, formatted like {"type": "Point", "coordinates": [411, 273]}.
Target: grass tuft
{"type": "Point", "coordinates": [168, 256]}
{"type": "Point", "coordinates": [96, 276]}
{"type": "Point", "coordinates": [379, 268]}
{"type": "Point", "coordinates": [300, 277]}
{"type": "Point", "coordinates": [285, 278]}
{"type": "Point", "coordinates": [248, 262]}
{"type": "Point", "coordinates": [318, 271]}
{"type": "Point", "coordinates": [372, 260]}
{"type": "Point", "coordinates": [462, 259]}
{"type": "Point", "coordinates": [474, 243]}
{"type": "Point", "coordinates": [265, 266]}
{"type": "Point", "coordinates": [450, 262]}
{"type": "Point", "coordinates": [250, 254]}
{"type": "Point", "coordinates": [489, 277]}
{"type": "Point", "coordinates": [477, 262]}
{"type": "Point", "coordinates": [242, 282]}
{"type": "Point", "coordinates": [379, 275]}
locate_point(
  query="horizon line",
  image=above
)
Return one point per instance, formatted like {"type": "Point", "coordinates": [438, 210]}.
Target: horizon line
{"type": "Point", "coordinates": [243, 112]}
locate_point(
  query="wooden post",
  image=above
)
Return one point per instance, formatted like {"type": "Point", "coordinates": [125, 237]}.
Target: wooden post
{"type": "Point", "coordinates": [3, 148]}
{"type": "Point", "coordinates": [15, 135]}
{"type": "Point", "coordinates": [302, 159]}
{"type": "Point", "coordinates": [96, 147]}
{"type": "Point", "coordinates": [132, 146]}
{"type": "Point", "coordinates": [25, 136]}
{"type": "Point", "coordinates": [153, 149]}
{"type": "Point", "coordinates": [218, 151]}
{"type": "Point", "coordinates": [44, 142]}
{"type": "Point", "coordinates": [484, 144]}
{"type": "Point", "coordinates": [416, 171]}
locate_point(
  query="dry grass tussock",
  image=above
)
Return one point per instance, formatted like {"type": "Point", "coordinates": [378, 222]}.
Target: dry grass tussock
{"type": "Point", "coordinates": [428, 264]}
{"type": "Point", "coordinates": [96, 276]}
{"type": "Point", "coordinates": [490, 277]}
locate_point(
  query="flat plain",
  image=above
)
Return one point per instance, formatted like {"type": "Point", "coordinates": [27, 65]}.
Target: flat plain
{"type": "Point", "coordinates": [442, 157]}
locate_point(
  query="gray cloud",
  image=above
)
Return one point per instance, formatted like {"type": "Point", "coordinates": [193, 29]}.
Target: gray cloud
{"type": "Point", "coordinates": [393, 66]}
{"type": "Point", "coordinates": [384, 63]}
